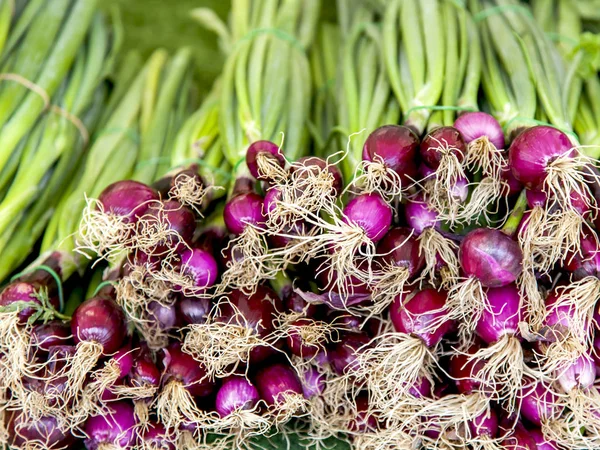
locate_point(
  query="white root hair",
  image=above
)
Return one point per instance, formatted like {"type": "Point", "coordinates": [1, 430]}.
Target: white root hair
{"type": "Point", "coordinates": [432, 244]}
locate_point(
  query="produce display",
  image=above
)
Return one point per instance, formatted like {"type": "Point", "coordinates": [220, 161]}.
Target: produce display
{"type": "Point", "coordinates": [375, 231]}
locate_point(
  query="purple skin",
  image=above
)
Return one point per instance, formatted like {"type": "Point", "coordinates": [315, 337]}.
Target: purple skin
{"type": "Point", "coordinates": [371, 213]}
{"type": "Point", "coordinates": [419, 216]}
{"type": "Point", "coordinates": [558, 317]}
{"type": "Point", "coordinates": [445, 137]}
{"type": "Point", "coordinates": [193, 310]}
{"type": "Point", "coordinates": [21, 291]}
{"type": "Point", "coordinates": [182, 367]}
{"type": "Point", "coordinates": [474, 125]}
{"type": "Point", "coordinates": [490, 256]}
{"type": "Point", "coordinates": [143, 371]}
{"type": "Point", "coordinates": [399, 248]}
{"type": "Point", "coordinates": [297, 345]}
{"type": "Point", "coordinates": [270, 200]}
{"type": "Point", "coordinates": [124, 358]}
{"type": "Point", "coordinates": [586, 262]}
{"type": "Point", "coordinates": [242, 210]}
{"type": "Point", "coordinates": [422, 388]}
{"type": "Point", "coordinates": [540, 404]}
{"type": "Point", "coordinates": [127, 199]}
{"type": "Point", "coordinates": [397, 146]}
{"type": "Point", "coordinates": [486, 424]}
{"type": "Point", "coordinates": [532, 151]}
{"type": "Point", "coordinates": [164, 316]}
{"type": "Point", "coordinates": [342, 355]}
{"type": "Point", "coordinates": [519, 439]}
{"type": "Point", "coordinates": [116, 428]}
{"type": "Point", "coordinates": [464, 372]}
{"type": "Point", "coordinates": [49, 334]}
{"type": "Point", "coordinates": [503, 314]}
{"type": "Point", "coordinates": [258, 311]}
{"type": "Point", "coordinates": [420, 312]}
{"type": "Point", "coordinates": [536, 198]}
{"type": "Point", "coordinates": [313, 382]}
{"type": "Point", "coordinates": [295, 303]}
{"type": "Point", "coordinates": [44, 430]}
{"type": "Point", "coordinates": [579, 375]}
{"type": "Point", "coordinates": [157, 437]}
{"type": "Point", "coordinates": [180, 220]}
{"type": "Point", "coordinates": [99, 320]}
{"type": "Point", "coordinates": [269, 149]}
{"type": "Point", "coordinates": [308, 161]}
{"type": "Point", "coordinates": [514, 185]}
{"type": "Point", "coordinates": [200, 266]}
{"type": "Point", "coordinates": [364, 421]}
{"type": "Point", "coordinates": [596, 353]}
{"type": "Point", "coordinates": [236, 394]}
{"type": "Point", "coordinates": [276, 379]}
{"type": "Point", "coordinates": [540, 440]}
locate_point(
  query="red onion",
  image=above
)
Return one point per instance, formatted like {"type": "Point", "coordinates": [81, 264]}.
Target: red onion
{"type": "Point", "coordinates": [364, 421]}
{"type": "Point", "coordinates": [43, 431]}
{"type": "Point", "coordinates": [422, 315]}
{"type": "Point", "coordinates": [274, 380]}
{"type": "Point", "coordinates": [144, 372]}
{"type": "Point", "coordinates": [193, 310]}
{"type": "Point", "coordinates": [396, 147]}
{"type": "Point", "coordinates": [163, 316]}
{"type": "Point", "coordinates": [180, 220]}
{"type": "Point", "coordinates": [21, 291]}
{"type": "Point", "coordinates": [399, 248]}
{"type": "Point", "coordinates": [490, 256]}
{"type": "Point", "coordinates": [343, 355]}
{"type": "Point", "coordinates": [236, 394]}
{"type": "Point", "coordinates": [519, 439]}
{"type": "Point", "coordinates": [486, 424]}
{"type": "Point", "coordinates": [419, 216]}
{"type": "Point", "coordinates": [464, 371]}
{"type": "Point", "coordinates": [313, 382]}
{"type": "Point", "coordinates": [296, 342]}
{"type": "Point", "coordinates": [156, 436]}
{"type": "Point", "coordinates": [49, 334]}
{"type": "Point", "coordinates": [242, 210]}
{"type": "Point", "coordinates": [320, 164]}
{"type": "Point", "coordinates": [503, 314]}
{"type": "Point", "coordinates": [539, 404]}
{"type": "Point", "coordinates": [371, 213]}
{"type": "Point", "coordinates": [124, 358]}
{"type": "Point", "coordinates": [578, 375]}
{"type": "Point", "coordinates": [200, 266]}
{"type": "Point", "coordinates": [266, 149]}
{"type": "Point", "coordinates": [117, 428]}
{"type": "Point", "coordinates": [183, 368]}
{"type": "Point", "coordinates": [99, 320]}
{"type": "Point", "coordinates": [474, 125]}
{"type": "Point", "coordinates": [585, 262]}
{"type": "Point", "coordinates": [127, 199]}
{"type": "Point", "coordinates": [442, 138]}
{"type": "Point", "coordinates": [514, 185]}
{"type": "Point", "coordinates": [541, 442]}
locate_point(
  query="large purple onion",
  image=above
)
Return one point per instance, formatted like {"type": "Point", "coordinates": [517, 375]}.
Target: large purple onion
{"type": "Point", "coordinates": [540, 404]}
{"type": "Point", "coordinates": [419, 215]}
{"type": "Point", "coordinates": [200, 266]}
{"type": "Point", "coordinates": [99, 320]}
{"type": "Point", "coordinates": [44, 431]}
{"type": "Point", "coordinates": [371, 213]}
{"type": "Point", "coordinates": [236, 394]}
{"type": "Point", "coordinates": [275, 380]}
{"type": "Point", "coordinates": [243, 210]}
{"type": "Point", "coordinates": [490, 256]}
{"type": "Point", "coordinates": [418, 314]}
{"type": "Point", "coordinates": [117, 428]}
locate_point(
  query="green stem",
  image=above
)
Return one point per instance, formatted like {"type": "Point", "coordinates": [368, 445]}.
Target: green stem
{"type": "Point", "coordinates": [516, 216]}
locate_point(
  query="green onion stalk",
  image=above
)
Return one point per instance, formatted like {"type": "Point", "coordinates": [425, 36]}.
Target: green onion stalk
{"type": "Point", "coordinates": [49, 153]}
{"type": "Point", "coordinates": [126, 145]}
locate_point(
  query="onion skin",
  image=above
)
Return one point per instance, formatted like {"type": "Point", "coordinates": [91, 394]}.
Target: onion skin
{"type": "Point", "coordinates": [532, 151]}
{"type": "Point", "coordinates": [21, 291]}
{"type": "Point", "coordinates": [295, 342]}
{"type": "Point", "coordinates": [485, 424]}
{"type": "Point", "coordinates": [540, 440]}
{"type": "Point", "coordinates": [193, 310]}
{"type": "Point", "coordinates": [536, 198]}
{"type": "Point", "coordinates": [266, 147]}
{"type": "Point", "coordinates": [540, 404]}
{"type": "Point", "coordinates": [586, 262]}
{"type": "Point", "coordinates": [165, 316]}
{"type": "Point", "coordinates": [313, 382]}
{"type": "Point", "coordinates": [363, 422]}
{"type": "Point", "coordinates": [519, 439]}
{"type": "Point", "coordinates": [579, 375]}
{"type": "Point", "coordinates": [144, 371]}
{"type": "Point", "coordinates": [397, 146]}
{"type": "Point", "coordinates": [179, 218]}
{"type": "Point", "coordinates": [99, 320]}
{"type": "Point", "coordinates": [124, 358]}
{"type": "Point", "coordinates": [235, 394]}
{"type": "Point", "coordinates": [116, 428]}
{"type": "Point", "coordinates": [243, 210]}
{"type": "Point", "coordinates": [342, 355]}
{"type": "Point", "coordinates": [276, 379]}
{"type": "Point", "coordinates": [464, 372]}
{"type": "Point", "coordinates": [43, 430]}
{"type": "Point", "coordinates": [371, 213]}
{"type": "Point", "coordinates": [180, 366]}
{"type": "Point", "coordinates": [296, 304]}
{"type": "Point", "coordinates": [419, 216]}
{"type": "Point", "coordinates": [399, 247]}
{"type": "Point", "coordinates": [200, 266]}
{"type": "Point", "coordinates": [503, 314]}
{"type": "Point", "coordinates": [127, 199]}
{"type": "Point", "coordinates": [474, 125]}
{"type": "Point", "coordinates": [448, 137]}
{"type": "Point", "coordinates": [46, 335]}
{"type": "Point", "coordinates": [419, 312]}
{"type": "Point", "coordinates": [156, 437]}
{"type": "Point", "coordinates": [490, 256]}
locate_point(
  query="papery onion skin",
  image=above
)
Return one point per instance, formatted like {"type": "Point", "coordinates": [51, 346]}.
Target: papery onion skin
{"type": "Point", "coordinates": [474, 125]}
{"type": "Point", "coordinates": [116, 428]}
{"type": "Point", "coordinates": [490, 256]}
{"type": "Point", "coordinates": [235, 394]}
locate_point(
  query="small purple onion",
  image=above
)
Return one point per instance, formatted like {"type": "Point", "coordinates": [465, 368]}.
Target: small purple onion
{"type": "Point", "coordinates": [99, 320]}
{"type": "Point", "coordinates": [536, 198]}
{"type": "Point", "coordinates": [559, 317]}
{"type": "Point", "coordinates": [474, 125]}
{"type": "Point", "coordinates": [127, 199]}
{"type": "Point", "coordinates": [179, 218]}
{"type": "Point", "coordinates": [533, 150]}
{"type": "Point", "coordinates": [181, 367]}
{"type": "Point", "coordinates": [267, 149]}
{"type": "Point", "coordinates": [397, 147]}
{"type": "Point", "coordinates": [144, 372]}
{"type": "Point", "coordinates": [464, 372]}
{"type": "Point", "coordinates": [419, 216]}
{"type": "Point", "coordinates": [364, 421]}
{"type": "Point", "coordinates": [541, 442]}
{"type": "Point", "coordinates": [585, 262]}
{"type": "Point", "coordinates": [343, 354]}
{"type": "Point", "coordinates": [156, 436]}
{"type": "Point", "coordinates": [540, 404]}
{"type": "Point", "coordinates": [313, 382]}
{"type": "Point", "coordinates": [371, 213]}
{"type": "Point", "coordinates": [272, 196]}
{"type": "Point", "coordinates": [49, 334]}
{"type": "Point", "coordinates": [193, 310]}
{"type": "Point", "coordinates": [422, 388]}
{"type": "Point", "coordinates": [519, 439]}
{"type": "Point", "coordinates": [116, 429]}
{"type": "Point", "coordinates": [21, 291]}
{"type": "Point", "coordinates": [490, 256]}
{"type": "Point", "coordinates": [164, 316]}
{"type": "Point", "coordinates": [296, 304]}
{"type": "Point", "coordinates": [124, 358]}
{"type": "Point", "coordinates": [236, 394]}
{"type": "Point", "coordinates": [243, 210]}
{"type": "Point", "coordinates": [579, 374]}
{"type": "Point", "coordinates": [296, 343]}
{"type": "Point", "coordinates": [274, 380]}
{"type": "Point", "coordinates": [200, 266]}
{"type": "Point", "coordinates": [445, 137]}
{"type": "Point", "coordinates": [399, 248]}
{"type": "Point", "coordinates": [419, 312]}
{"type": "Point", "coordinates": [503, 314]}
{"type": "Point", "coordinates": [486, 424]}
{"type": "Point", "coordinates": [43, 431]}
